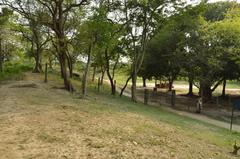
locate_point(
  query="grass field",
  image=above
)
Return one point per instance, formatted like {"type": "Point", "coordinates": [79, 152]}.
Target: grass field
{"type": "Point", "coordinates": [121, 77]}
{"type": "Point", "coordinates": [46, 122]}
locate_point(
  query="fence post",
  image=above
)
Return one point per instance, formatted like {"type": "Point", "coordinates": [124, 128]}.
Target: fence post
{"type": "Point", "coordinates": [173, 98]}
{"type": "Point", "coordinates": [146, 96]}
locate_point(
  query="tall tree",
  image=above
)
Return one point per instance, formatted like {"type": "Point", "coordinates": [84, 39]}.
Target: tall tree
{"type": "Point", "coordinates": [55, 14]}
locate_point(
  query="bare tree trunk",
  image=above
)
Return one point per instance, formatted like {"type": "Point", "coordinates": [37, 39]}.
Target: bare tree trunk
{"type": "Point", "coordinates": [85, 75]}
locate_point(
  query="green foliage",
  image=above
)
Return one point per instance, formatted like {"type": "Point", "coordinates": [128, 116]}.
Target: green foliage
{"type": "Point", "coordinates": [15, 70]}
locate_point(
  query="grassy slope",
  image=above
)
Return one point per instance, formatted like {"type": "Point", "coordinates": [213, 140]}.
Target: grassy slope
{"type": "Point", "coordinates": [50, 123]}
{"type": "Point", "coordinates": [190, 127]}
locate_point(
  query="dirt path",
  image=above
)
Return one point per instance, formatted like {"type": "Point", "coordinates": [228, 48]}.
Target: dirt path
{"type": "Point", "coordinates": [187, 114]}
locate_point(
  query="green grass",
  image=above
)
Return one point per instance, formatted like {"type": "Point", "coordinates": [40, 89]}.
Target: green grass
{"type": "Point", "coordinates": [195, 128]}
{"type": "Point", "coordinates": [103, 102]}
{"type": "Point", "coordinates": [110, 125]}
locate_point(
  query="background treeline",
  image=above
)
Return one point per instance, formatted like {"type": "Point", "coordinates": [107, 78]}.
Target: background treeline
{"type": "Point", "coordinates": [200, 43]}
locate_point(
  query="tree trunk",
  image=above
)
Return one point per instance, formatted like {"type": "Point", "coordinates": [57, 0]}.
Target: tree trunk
{"type": "Point", "coordinates": [170, 80]}
{"type": "Point", "coordinates": [224, 88]}
{"type": "Point", "coordinates": [102, 77]}
{"type": "Point", "coordinates": [46, 73]}
{"type": "Point", "coordinates": [111, 80]}
{"type": "Point", "coordinates": [125, 86]}
{"type": "Point", "coordinates": [85, 76]}
{"type": "Point", "coordinates": [65, 74]}
{"type": "Point", "coordinates": [1, 56]}
{"type": "Point", "coordinates": [144, 82]}
{"type": "Point", "coordinates": [190, 90]}
{"type": "Point", "coordinates": [134, 85]}
{"type": "Point", "coordinates": [206, 92]}
{"type": "Point", "coordinates": [70, 65]}
{"type": "Point", "coordinates": [50, 63]}
{"type": "Point", "coordinates": [94, 73]}
{"type": "Point", "coordinates": [38, 67]}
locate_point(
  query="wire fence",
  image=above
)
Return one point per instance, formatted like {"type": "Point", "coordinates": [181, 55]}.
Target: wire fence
{"type": "Point", "coordinates": [217, 108]}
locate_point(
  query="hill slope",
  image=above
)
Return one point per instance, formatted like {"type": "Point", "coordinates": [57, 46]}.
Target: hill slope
{"type": "Point", "coordinates": [39, 120]}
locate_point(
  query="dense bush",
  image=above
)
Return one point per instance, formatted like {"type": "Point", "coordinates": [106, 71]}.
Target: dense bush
{"type": "Point", "coordinates": [14, 71]}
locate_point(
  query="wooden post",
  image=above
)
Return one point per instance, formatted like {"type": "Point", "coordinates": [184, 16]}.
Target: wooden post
{"type": "Point", "coordinates": [146, 96]}
{"type": "Point", "coordinates": [46, 73]}
{"type": "Point", "coordinates": [173, 98]}
{"type": "Point", "coordinates": [232, 119]}
{"type": "Point", "coordinates": [99, 83]}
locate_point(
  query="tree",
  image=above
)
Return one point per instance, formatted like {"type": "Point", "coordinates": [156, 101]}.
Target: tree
{"type": "Point", "coordinates": [141, 18]}
{"type": "Point", "coordinates": [4, 33]}
{"type": "Point", "coordinates": [54, 15]}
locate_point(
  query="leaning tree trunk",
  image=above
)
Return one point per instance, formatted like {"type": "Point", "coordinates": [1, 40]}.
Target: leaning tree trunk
{"type": "Point", "coordinates": [224, 88]}
{"type": "Point", "coordinates": [125, 86]}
